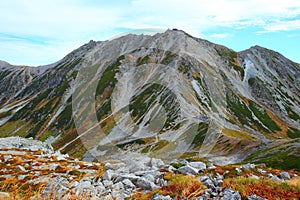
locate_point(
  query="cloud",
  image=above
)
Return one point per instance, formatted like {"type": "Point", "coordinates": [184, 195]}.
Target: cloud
{"type": "Point", "coordinates": [66, 24]}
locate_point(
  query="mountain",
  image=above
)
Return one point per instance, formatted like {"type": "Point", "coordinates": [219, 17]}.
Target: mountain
{"type": "Point", "coordinates": [169, 95]}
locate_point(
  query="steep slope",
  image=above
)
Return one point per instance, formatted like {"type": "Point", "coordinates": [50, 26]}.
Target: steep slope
{"type": "Point", "coordinates": [148, 93]}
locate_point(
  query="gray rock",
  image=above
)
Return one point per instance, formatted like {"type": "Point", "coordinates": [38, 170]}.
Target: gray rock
{"type": "Point", "coordinates": [157, 163]}
{"type": "Point", "coordinates": [7, 158]}
{"type": "Point", "coordinates": [146, 184]}
{"type": "Point", "coordinates": [254, 176]}
{"type": "Point", "coordinates": [74, 184]}
{"type": "Point", "coordinates": [128, 184]}
{"type": "Point", "coordinates": [275, 178]}
{"type": "Point", "coordinates": [238, 170]}
{"type": "Point", "coordinates": [248, 166]}
{"type": "Point", "coordinates": [157, 196]}
{"type": "Point", "coordinates": [197, 165]}
{"type": "Point", "coordinates": [131, 177]}
{"type": "Point", "coordinates": [187, 170]}
{"type": "Point", "coordinates": [261, 171]}
{"type": "Point", "coordinates": [85, 184]}
{"type": "Point", "coordinates": [118, 186]}
{"type": "Point", "coordinates": [114, 166]}
{"type": "Point", "coordinates": [255, 197]}
{"type": "Point", "coordinates": [285, 176]}
{"type": "Point", "coordinates": [107, 183]}
{"type": "Point", "coordinates": [109, 175]}
{"type": "Point", "coordinates": [229, 194]}
{"type": "Point", "coordinates": [203, 178]}
{"type": "Point", "coordinates": [20, 168]}
{"type": "Point", "coordinates": [149, 177]}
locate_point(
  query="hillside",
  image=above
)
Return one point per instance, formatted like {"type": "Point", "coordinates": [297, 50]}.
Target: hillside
{"type": "Point", "coordinates": [147, 94]}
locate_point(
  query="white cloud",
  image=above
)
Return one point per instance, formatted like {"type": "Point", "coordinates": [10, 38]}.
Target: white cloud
{"type": "Point", "coordinates": [67, 24]}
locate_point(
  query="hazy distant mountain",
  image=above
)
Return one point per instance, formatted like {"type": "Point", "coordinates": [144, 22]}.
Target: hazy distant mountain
{"type": "Point", "coordinates": [169, 94]}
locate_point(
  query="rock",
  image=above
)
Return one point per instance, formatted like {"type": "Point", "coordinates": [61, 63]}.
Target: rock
{"type": "Point", "coordinates": [261, 171]}
{"type": "Point", "coordinates": [210, 165]}
{"type": "Point", "coordinates": [248, 166]}
{"type": "Point", "coordinates": [107, 183]}
{"type": "Point", "coordinates": [219, 177]}
{"type": "Point", "coordinates": [131, 177]}
{"type": "Point", "coordinates": [109, 175]}
{"type": "Point", "coordinates": [229, 194]}
{"type": "Point", "coordinates": [118, 186]}
{"type": "Point", "coordinates": [156, 163]}
{"type": "Point", "coordinates": [203, 178]}
{"type": "Point", "coordinates": [285, 176]}
{"type": "Point", "coordinates": [238, 170]}
{"type": "Point", "coordinates": [7, 158]}
{"type": "Point", "coordinates": [146, 184]}
{"type": "Point", "coordinates": [149, 177]}
{"type": "Point", "coordinates": [128, 184]}
{"type": "Point", "coordinates": [157, 196]}
{"type": "Point", "coordinates": [254, 197]}
{"type": "Point", "coordinates": [20, 168]}
{"type": "Point", "coordinates": [171, 169]}
{"type": "Point", "coordinates": [254, 176]}
{"type": "Point", "coordinates": [197, 165]}
{"type": "Point", "coordinates": [115, 166]}
{"type": "Point", "coordinates": [74, 184]}
{"type": "Point", "coordinates": [187, 170]}
{"type": "Point", "coordinates": [53, 166]}
{"type": "Point", "coordinates": [275, 178]}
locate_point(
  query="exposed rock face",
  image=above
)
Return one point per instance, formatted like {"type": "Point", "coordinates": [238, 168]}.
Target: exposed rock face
{"type": "Point", "coordinates": [166, 95]}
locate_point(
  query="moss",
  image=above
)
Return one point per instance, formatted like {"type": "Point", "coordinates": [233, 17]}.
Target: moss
{"type": "Point", "coordinates": [291, 113]}
{"type": "Point", "coordinates": [251, 81]}
{"type": "Point", "coordinates": [293, 133]}
{"type": "Point", "coordinates": [142, 60]}
{"type": "Point", "coordinates": [108, 77]}
{"type": "Point", "coordinates": [168, 58]}
{"type": "Point", "coordinates": [177, 165]}
{"type": "Point", "coordinates": [262, 115]}
{"type": "Point", "coordinates": [5, 114]}
{"type": "Point", "coordinates": [137, 141]}
{"type": "Point", "coordinates": [152, 93]}
{"type": "Point", "coordinates": [201, 133]}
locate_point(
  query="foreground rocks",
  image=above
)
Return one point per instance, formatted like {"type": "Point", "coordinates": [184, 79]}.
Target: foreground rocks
{"type": "Point", "coordinates": [57, 176]}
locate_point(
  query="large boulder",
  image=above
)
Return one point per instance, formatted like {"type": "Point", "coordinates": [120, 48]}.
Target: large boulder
{"type": "Point", "coordinates": [188, 170]}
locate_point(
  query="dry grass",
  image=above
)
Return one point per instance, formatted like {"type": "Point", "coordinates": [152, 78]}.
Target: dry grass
{"type": "Point", "coordinates": [178, 185]}
{"type": "Point", "coordinates": [265, 188]}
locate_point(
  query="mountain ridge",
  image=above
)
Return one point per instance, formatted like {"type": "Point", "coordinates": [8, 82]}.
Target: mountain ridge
{"type": "Point", "coordinates": [255, 102]}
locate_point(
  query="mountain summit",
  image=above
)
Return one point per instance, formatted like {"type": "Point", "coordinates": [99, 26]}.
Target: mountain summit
{"type": "Point", "coordinates": [169, 95]}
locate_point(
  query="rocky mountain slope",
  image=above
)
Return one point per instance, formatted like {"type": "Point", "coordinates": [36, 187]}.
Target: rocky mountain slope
{"type": "Point", "coordinates": [147, 94]}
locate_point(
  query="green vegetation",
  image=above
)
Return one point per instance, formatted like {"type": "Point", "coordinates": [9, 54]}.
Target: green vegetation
{"type": "Point", "coordinates": [168, 58]}
{"type": "Point", "coordinates": [291, 113]}
{"type": "Point", "coordinates": [155, 93]}
{"type": "Point", "coordinates": [142, 60]}
{"type": "Point", "coordinates": [231, 56]}
{"type": "Point", "coordinates": [262, 115]}
{"type": "Point", "coordinates": [201, 133]}
{"type": "Point", "coordinates": [276, 158]}
{"type": "Point", "coordinates": [293, 133]}
{"type": "Point", "coordinates": [108, 77]}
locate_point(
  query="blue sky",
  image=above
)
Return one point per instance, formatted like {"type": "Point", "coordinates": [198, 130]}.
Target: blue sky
{"type": "Point", "coordinates": [35, 32]}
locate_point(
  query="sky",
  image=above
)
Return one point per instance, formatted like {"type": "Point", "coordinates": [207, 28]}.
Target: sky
{"type": "Point", "coordinates": [39, 32]}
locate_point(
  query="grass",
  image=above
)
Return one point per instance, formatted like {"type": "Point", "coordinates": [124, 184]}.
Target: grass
{"type": "Point", "coordinates": [265, 188]}
{"type": "Point", "coordinates": [237, 134]}
{"type": "Point", "coordinates": [178, 186]}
